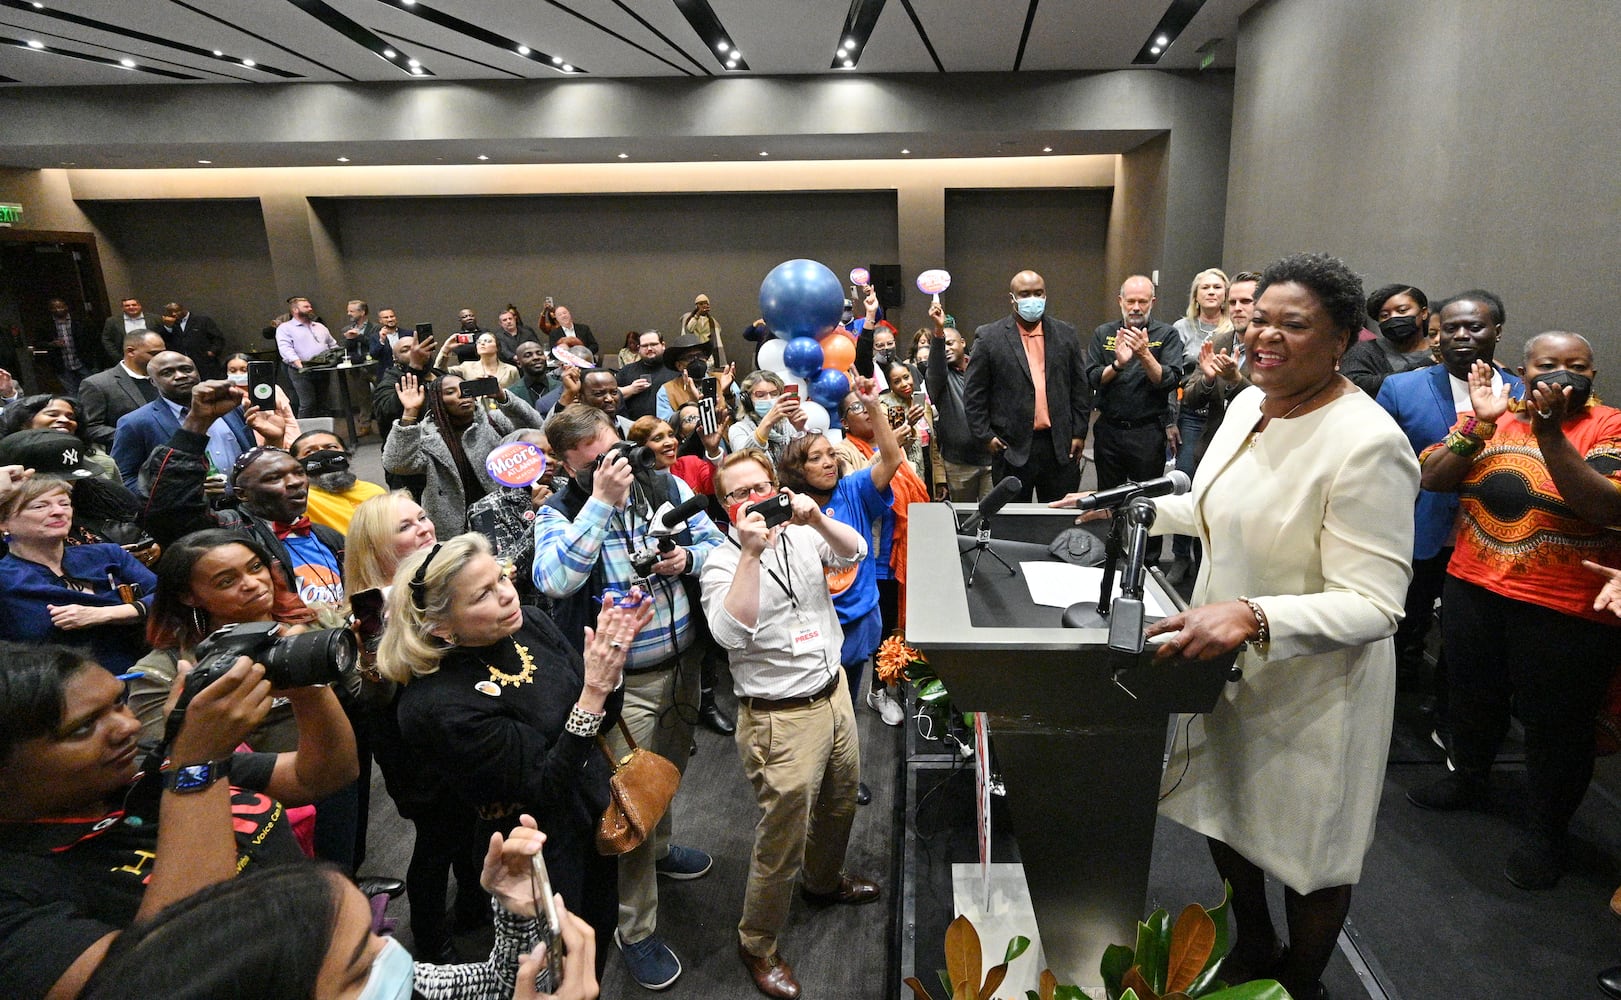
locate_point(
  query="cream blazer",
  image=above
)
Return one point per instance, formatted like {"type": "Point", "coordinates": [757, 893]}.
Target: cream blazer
{"type": "Point", "coordinates": [1312, 519]}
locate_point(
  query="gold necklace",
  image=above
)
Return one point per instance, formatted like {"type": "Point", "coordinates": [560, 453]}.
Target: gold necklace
{"type": "Point", "coordinates": [1256, 430]}
{"type": "Point", "coordinates": [521, 677]}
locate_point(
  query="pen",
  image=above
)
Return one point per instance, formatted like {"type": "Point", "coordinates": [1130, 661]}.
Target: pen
{"type": "Point", "coordinates": [131, 675]}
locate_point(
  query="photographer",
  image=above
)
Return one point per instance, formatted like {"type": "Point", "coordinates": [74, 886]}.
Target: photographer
{"type": "Point", "coordinates": [766, 598]}
{"type": "Point", "coordinates": [85, 849]}
{"type": "Point", "coordinates": [451, 445]}
{"type": "Point", "coordinates": [599, 533]}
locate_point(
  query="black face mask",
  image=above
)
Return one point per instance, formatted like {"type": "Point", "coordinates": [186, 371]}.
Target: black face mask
{"type": "Point", "coordinates": [1581, 387]}
{"type": "Point", "coordinates": [882, 358]}
{"type": "Point", "coordinates": [1399, 328]}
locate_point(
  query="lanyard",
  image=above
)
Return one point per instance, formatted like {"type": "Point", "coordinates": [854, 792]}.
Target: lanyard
{"type": "Point", "coordinates": [787, 586]}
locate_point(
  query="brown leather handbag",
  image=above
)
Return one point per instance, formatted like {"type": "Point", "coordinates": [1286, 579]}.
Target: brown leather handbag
{"type": "Point", "coordinates": [642, 787]}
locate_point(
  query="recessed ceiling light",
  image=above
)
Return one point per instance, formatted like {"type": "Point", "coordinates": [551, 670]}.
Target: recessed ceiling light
{"type": "Point", "coordinates": [735, 55]}
{"type": "Point", "coordinates": [557, 60]}
{"type": "Point", "coordinates": [1162, 40]}
{"type": "Point", "coordinates": [624, 156]}
{"type": "Point", "coordinates": [764, 153]}
{"type": "Point", "coordinates": [218, 54]}
{"type": "Point", "coordinates": [1046, 149]}
{"type": "Point", "coordinates": [849, 65]}
{"type": "Point", "coordinates": [34, 44]}
{"type": "Point", "coordinates": [39, 6]}
{"type": "Point", "coordinates": [731, 64]}
{"type": "Point", "coordinates": [849, 43]}
{"type": "Point", "coordinates": [906, 152]}
{"type": "Point", "coordinates": [205, 162]}
{"type": "Point", "coordinates": [343, 159]}
{"type": "Point", "coordinates": [412, 63]}
{"type": "Point", "coordinates": [523, 50]}
{"type": "Point", "coordinates": [409, 3]}
{"type": "Point", "coordinates": [389, 54]}
{"type": "Point", "coordinates": [249, 63]}
{"type": "Point", "coordinates": [482, 156]}
{"type": "Point", "coordinates": [721, 46]}
{"type": "Point", "coordinates": [1154, 50]}
{"type": "Point", "coordinates": [567, 68]}
{"type": "Point", "coordinates": [418, 71]}
{"type": "Point", "coordinates": [127, 63]}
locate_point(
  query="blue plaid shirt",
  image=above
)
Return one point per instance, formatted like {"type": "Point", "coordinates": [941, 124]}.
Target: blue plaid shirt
{"type": "Point", "coordinates": [566, 552]}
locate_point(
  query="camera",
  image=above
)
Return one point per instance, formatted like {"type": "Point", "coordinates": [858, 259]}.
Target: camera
{"type": "Point", "coordinates": [640, 456]}
{"type": "Point", "coordinates": [323, 656]}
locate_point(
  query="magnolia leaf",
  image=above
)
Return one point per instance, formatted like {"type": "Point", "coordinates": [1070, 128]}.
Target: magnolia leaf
{"type": "Point", "coordinates": [945, 980]}
{"type": "Point", "coordinates": [1206, 979]}
{"type": "Point", "coordinates": [1256, 989]}
{"type": "Point", "coordinates": [1130, 994]}
{"type": "Point", "coordinates": [918, 992]}
{"type": "Point", "coordinates": [1070, 993]}
{"type": "Point", "coordinates": [1048, 984]}
{"type": "Point", "coordinates": [993, 979]}
{"type": "Point", "coordinates": [1015, 947]}
{"type": "Point", "coordinates": [963, 959]}
{"type": "Point", "coordinates": [1153, 940]}
{"type": "Point", "coordinates": [931, 690]}
{"type": "Point", "coordinates": [1116, 960]}
{"type": "Point", "coordinates": [1135, 983]}
{"type": "Point", "coordinates": [1191, 940]}
{"type": "Point", "coordinates": [965, 991]}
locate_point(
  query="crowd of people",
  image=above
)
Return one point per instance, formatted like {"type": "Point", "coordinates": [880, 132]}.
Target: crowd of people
{"type": "Point", "coordinates": [167, 538]}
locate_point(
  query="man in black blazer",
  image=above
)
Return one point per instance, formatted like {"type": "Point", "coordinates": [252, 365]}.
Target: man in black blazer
{"type": "Point", "coordinates": [123, 388]}
{"type": "Point", "coordinates": [74, 352]}
{"type": "Point", "coordinates": [360, 333]}
{"type": "Point", "coordinates": [129, 319]}
{"type": "Point", "coordinates": [1026, 395]}
{"type": "Point", "coordinates": [197, 337]}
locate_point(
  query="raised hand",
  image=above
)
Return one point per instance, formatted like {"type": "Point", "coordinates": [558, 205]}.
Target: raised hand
{"type": "Point", "coordinates": [1125, 347]}
{"type": "Point", "coordinates": [268, 424]}
{"type": "Point", "coordinates": [412, 395]}
{"type": "Point", "coordinates": [1489, 404]}
{"type": "Point", "coordinates": [937, 313]}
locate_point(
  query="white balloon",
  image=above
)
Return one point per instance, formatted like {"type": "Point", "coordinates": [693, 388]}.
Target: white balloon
{"type": "Point", "coordinates": [789, 378]}
{"type": "Point", "coordinates": [816, 419]}
{"type": "Point", "coordinates": [834, 435]}
{"type": "Point", "coordinates": [769, 356]}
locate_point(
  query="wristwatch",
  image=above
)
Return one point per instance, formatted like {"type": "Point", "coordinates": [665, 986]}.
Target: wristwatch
{"type": "Point", "coordinates": [188, 778]}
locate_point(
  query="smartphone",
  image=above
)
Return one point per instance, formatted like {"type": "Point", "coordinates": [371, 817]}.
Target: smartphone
{"type": "Point", "coordinates": [489, 385]}
{"type": "Point", "coordinates": [897, 417]}
{"type": "Point", "coordinates": [367, 607]}
{"type": "Point", "coordinates": [424, 330]}
{"type": "Point", "coordinates": [710, 387]}
{"type": "Point", "coordinates": [708, 422]}
{"type": "Point", "coordinates": [461, 338]}
{"type": "Point", "coordinates": [262, 384]}
{"type": "Point", "coordinates": [790, 392]}
{"type": "Point", "coordinates": [776, 510]}
{"type": "Point", "coordinates": [551, 925]}
{"type": "Point", "coordinates": [548, 302]}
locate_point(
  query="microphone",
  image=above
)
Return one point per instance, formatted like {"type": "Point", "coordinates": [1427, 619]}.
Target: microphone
{"type": "Point", "coordinates": [995, 500]}
{"type": "Point", "coordinates": [671, 517]}
{"type": "Point", "coordinates": [1174, 483]}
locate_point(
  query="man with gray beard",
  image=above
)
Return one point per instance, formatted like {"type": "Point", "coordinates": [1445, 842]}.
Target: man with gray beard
{"type": "Point", "coordinates": [335, 491]}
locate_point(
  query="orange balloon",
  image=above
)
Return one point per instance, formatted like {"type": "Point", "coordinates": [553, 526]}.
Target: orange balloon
{"type": "Point", "coordinates": [838, 352]}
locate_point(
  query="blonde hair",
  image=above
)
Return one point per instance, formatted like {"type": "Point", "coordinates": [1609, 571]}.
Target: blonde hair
{"type": "Point", "coordinates": [1193, 298]}
{"type": "Point", "coordinates": [409, 649]}
{"type": "Point", "coordinates": [31, 489]}
{"type": "Point", "coordinates": [368, 558]}
{"type": "Point", "coordinates": [737, 458]}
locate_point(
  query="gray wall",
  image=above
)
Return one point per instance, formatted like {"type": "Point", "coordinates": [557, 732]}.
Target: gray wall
{"type": "Point", "coordinates": [619, 262]}
{"type": "Point", "coordinates": [210, 255]}
{"type": "Point", "coordinates": [992, 235]}
{"type": "Point", "coordinates": [1448, 143]}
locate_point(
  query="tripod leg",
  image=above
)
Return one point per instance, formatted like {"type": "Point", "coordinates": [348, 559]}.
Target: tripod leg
{"type": "Point", "coordinates": [998, 558]}
{"type": "Point", "coordinates": [979, 552]}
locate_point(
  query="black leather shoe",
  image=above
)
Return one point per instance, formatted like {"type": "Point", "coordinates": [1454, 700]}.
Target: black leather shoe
{"type": "Point", "coordinates": [710, 716]}
{"type": "Point", "coordinates": [851, 891]}
{"type": "Point", "coordinates": [772, 976]}
{"type": "Point", "coordinates": [1609, 981]}
{"type": "Point", "coordinates": [863, 794]}
{"type": "Point", "coordinates": [372, 885]}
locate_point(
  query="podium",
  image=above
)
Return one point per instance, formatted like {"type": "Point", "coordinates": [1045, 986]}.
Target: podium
{"type": "Point", "coordinates": [1079, 730]}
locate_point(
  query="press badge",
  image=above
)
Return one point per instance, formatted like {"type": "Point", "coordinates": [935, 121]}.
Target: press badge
{"type": "Point", "coordinates": [808, 638]}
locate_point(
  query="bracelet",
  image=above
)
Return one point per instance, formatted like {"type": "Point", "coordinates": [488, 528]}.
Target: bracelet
{"type": "Point", "coordinates": [1263, 629]}
{"type": "Point", "coordinates": [1462, 445]}
{"type": "Point", "coordinates": [1474, 427]}
{"type": "Point", "coordinates": [583, 723]}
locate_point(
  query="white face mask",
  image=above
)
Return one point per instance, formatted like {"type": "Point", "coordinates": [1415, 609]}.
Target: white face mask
{"type": "Point", "coordinates": [237, 378]}
{"type": "Point", "coordinates": [392, 976]}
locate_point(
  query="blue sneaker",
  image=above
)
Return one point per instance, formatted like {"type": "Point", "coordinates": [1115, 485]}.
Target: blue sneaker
{"type": "Point", "coordinates": [684, 863]}
{"type": "Point", "coordinates": [650, 961]}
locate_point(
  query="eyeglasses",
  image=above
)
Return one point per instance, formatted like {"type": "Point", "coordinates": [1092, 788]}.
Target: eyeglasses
{"type": "Point", "coordinates": [856, 408]}
{"type": "Point", "coordinates": [761, 490]}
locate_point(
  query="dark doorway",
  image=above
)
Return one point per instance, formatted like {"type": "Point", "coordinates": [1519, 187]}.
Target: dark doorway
{"type": "Point", "coordinates": [36, 266]}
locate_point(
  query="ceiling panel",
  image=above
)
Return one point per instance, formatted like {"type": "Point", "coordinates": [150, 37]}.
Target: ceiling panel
{"type": "Point", "coordinates": [796, 37]}
{"type": "Point", "coordinates": [971, 36]}
{"type": "Point", "coordinates": [895, 46]}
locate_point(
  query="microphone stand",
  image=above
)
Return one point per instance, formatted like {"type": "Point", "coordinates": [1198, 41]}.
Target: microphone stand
{"type": "Point", "coordinates": [1127, 614]}
{"type": "Point", "coordinates": [982, 545]}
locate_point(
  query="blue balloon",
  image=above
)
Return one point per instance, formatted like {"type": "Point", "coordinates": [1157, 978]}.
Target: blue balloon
{"type": "Point", "coordinates": [803, 356]}
{"type": "Point", "coordinates": [801, 298]}
{"type": "Point", "coordinates": [829, 388]}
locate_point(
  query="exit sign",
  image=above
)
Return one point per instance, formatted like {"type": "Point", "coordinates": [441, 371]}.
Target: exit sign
{"type": "Point", "coordinates": [11, 213]}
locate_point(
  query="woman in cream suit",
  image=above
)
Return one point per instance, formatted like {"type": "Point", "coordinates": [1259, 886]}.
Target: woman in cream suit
{"type": "Point", "coordinates": [1302, 503]}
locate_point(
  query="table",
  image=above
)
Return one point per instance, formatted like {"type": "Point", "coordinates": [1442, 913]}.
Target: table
{"type": "Point", "coordinates": [342, 372]}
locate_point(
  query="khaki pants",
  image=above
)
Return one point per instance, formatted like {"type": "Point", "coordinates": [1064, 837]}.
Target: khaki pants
{"type": "Point", "coordinates": [967, 483]}
{"type": "Point", "coordinates": [667, 731]}
{"type": "Point", "coordinates": [804, 764]}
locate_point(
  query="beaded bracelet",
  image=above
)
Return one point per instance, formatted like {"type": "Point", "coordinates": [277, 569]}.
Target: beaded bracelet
{"type": "Point", "coordinates": [1462, 445]}
{"type": "Point", "coordinates": [1474, 427]}
{"type": "Point", "coordinates": [1263, 630]}
{"type": "Point", "coordinates": [583, 723]}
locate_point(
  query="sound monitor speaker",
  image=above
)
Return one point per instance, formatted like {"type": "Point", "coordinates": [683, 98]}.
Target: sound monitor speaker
{"type": "Point", "coordinates": [886, 281]}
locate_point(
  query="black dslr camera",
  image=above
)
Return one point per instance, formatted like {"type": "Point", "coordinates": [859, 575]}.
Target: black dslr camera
{"type": "Point", "coordinates": [641, 458]}
{"type": "Point", "coordinates": [323, 656]}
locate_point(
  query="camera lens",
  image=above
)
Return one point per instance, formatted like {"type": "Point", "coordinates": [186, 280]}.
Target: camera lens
{"type": "Point", "coordinates": [324, 656]}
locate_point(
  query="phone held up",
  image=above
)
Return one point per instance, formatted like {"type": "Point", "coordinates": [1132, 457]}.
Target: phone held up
{"type": "Point", "coordinates": [551, 926]}
{"type": "Point", "coordinates": [262, 384]}
{"type": "Point", "coordinates": [489, 385]}
{"type": "Point", "coordinates": [778, 509]}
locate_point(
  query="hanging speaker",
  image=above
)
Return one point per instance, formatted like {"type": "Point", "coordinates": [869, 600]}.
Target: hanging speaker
{"type": "Point", "coordinates": [886, 281]}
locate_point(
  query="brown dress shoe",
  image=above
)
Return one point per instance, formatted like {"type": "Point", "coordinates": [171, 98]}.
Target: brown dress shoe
{"type": "Point", "coordinates": [852, 891]}
{"type": "Point", "coordinates": [772, 975]}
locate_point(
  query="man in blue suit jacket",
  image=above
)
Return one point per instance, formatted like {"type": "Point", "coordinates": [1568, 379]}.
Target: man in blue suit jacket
{"type": "Point", "coordinates": [141, 430]}
{"type": "Point", "coordinates": [1426, 403]}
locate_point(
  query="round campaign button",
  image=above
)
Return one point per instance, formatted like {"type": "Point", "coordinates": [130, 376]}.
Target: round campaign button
{"type": "Point", "coordinates": [517, 464]}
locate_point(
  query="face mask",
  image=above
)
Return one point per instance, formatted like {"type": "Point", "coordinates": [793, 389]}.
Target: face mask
{"type": "Point", "coordinates": [237, 378]}
{"type": "Point", "coordinates": [392, 974]}
{"type": "Point", "coordinates": [882, 358]}
{"type": "Point", "coordinates": [1580, 387]}
{"type": "Point", "coordinates": [762, 407]}
{"type": "Point", "coordinates": [734, 513]}
{"type": "Point", "coordinates": [1031, 309]}
{"type": "Point", "coordinates": [1399, 327]}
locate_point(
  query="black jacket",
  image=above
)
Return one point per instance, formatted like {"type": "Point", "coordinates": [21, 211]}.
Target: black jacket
{"type": "Point", "coordinates": [999, 397]}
